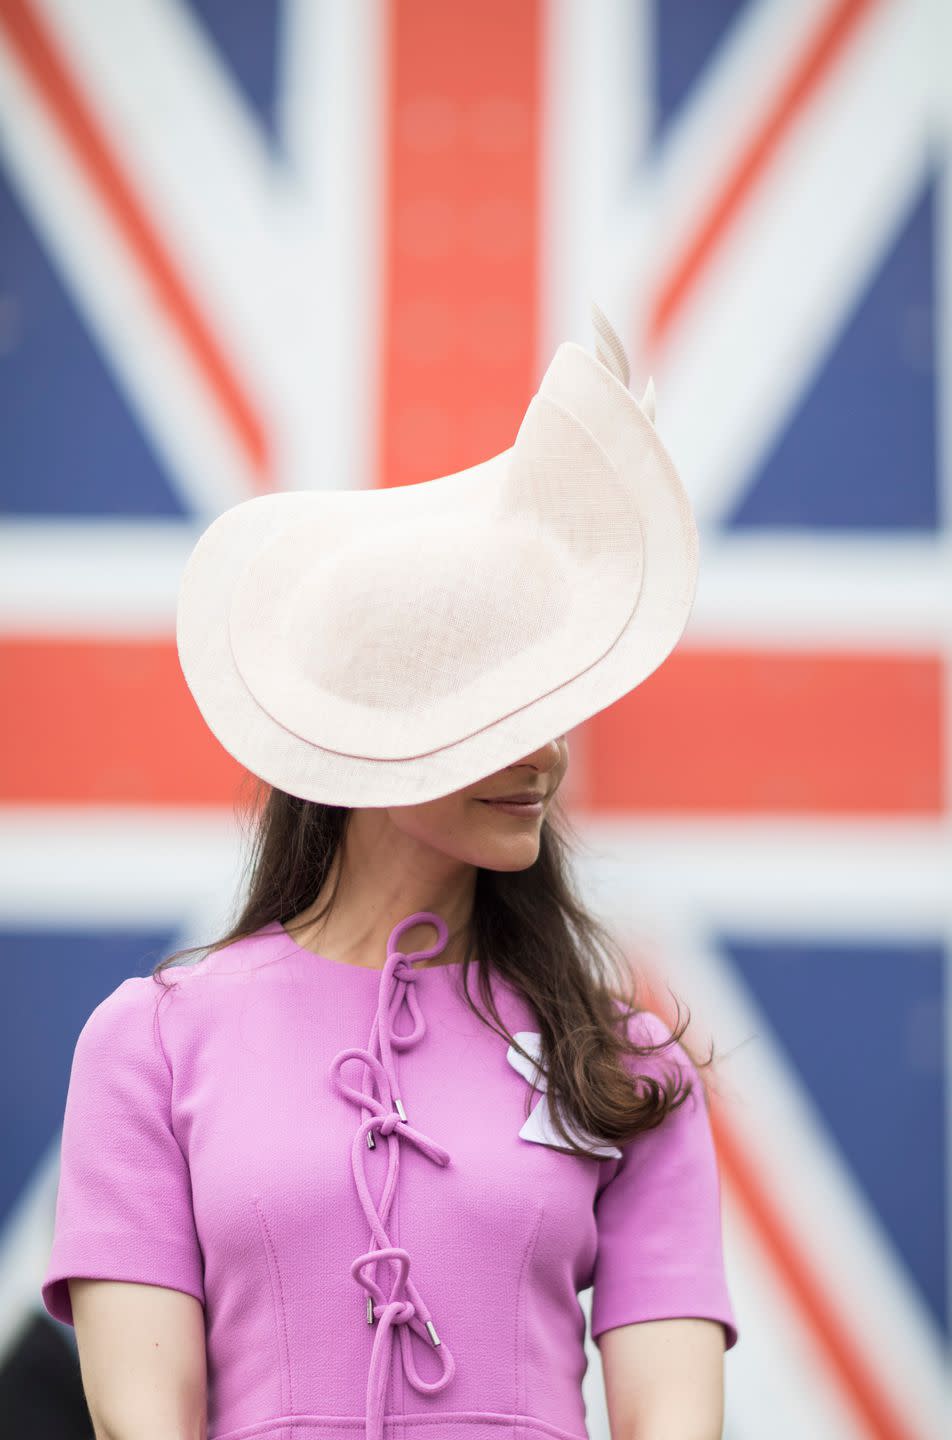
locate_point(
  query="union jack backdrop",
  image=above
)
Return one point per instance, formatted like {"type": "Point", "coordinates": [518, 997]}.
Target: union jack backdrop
{"type": "Point", "coordinates": [250, 244]}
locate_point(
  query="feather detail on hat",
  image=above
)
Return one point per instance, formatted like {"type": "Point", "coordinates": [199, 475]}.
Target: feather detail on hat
{"type": "Point", "coordinates": [608, 347]}
{"type": "Point", "coordinates": [611, 352]}
{"type": "Point", "coordinates": [540, 1127]}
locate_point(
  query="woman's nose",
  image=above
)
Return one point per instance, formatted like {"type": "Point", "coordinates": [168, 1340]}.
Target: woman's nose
{"type": "Point", "coordinates": [546, 756]}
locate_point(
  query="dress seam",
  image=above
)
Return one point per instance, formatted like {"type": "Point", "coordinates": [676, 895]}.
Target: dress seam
{"type": "Point", "coordinates": [280, 1313]}
{"type": "Point", "coordinates": [519, 1404]}
{"type": "Point", "coordinates": [518, 1425]}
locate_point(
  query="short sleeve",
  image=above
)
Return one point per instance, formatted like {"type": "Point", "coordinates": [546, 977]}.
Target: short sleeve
{"type": "Point", "coordinates": [660, 1251]}
{"type": "Point", "coordinates": [123, 1204]}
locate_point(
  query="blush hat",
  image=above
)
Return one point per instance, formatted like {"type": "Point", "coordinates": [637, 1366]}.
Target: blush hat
{"type": "Point", "coordinates": [388, 646]}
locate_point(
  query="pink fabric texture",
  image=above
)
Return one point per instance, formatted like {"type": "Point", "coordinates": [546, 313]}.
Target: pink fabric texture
{"type": "Point", "coordinates": [344, 1188]}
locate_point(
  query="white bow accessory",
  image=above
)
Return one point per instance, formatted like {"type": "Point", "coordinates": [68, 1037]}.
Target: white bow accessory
{"type": "Point", "coordinates": [539, 1126]}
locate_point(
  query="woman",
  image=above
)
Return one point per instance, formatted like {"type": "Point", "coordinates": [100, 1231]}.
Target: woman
{"type": "Point", "coordinates": [359, 1159]}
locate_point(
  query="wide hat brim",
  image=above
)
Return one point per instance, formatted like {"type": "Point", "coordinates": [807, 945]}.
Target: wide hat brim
{"type": "Point", "coordinates": [389, 646]}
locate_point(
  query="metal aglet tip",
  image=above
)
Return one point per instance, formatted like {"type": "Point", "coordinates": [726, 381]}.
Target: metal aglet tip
{"type": "Point", "coordinates": [371, 1142]}
{"type": "Point", "coordinates": [433, 1335]}
{"type": "Point", "coordinates": [400, 1110]}
{"type": "Point", "coordinates": [370, 1309]}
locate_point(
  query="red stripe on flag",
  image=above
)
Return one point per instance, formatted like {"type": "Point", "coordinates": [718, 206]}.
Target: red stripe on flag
{"type": "Point", "coordinates": [755, 732]}
{"type": "Point", "coordinates": [43, 60]}
{"type": "Point", "coordinates": [811, 1293]}
{"type": "Point", "coordinates": [460, 261]}
{"type": "Point", "coordinates": [711, 731]}
{"type": "Point", "coordinates": [105, 722]}
{"type": "Point", "coordinates": [791, 98]}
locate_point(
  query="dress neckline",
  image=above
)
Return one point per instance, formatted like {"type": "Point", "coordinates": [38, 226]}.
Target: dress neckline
{"type": "Point", "coordinates": [276, 928]}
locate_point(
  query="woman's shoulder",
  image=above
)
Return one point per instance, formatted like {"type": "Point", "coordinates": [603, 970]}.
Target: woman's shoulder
{"type": "Point", "coordinates": [662, 1054]}
{"type": "Point", "coordinates": [177, 989]}
{"type": "Point", "coordinates": [646, 1027]}
{"type": "Point", "coordinates": [231, 959]}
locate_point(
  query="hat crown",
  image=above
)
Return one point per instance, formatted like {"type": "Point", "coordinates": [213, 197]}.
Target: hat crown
{"type": "Point", "coordinates": [433, 619]}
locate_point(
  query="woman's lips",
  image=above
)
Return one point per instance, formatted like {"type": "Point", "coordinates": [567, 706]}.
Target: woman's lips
{"type": "Point", "coordinates": [511, 808]}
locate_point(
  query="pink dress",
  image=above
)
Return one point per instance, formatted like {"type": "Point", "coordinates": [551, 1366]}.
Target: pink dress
{"type": "Point", "coordinates": [217, 1140]}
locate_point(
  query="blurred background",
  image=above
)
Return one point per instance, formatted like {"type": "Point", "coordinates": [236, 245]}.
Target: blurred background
{"type": "Point", "coordinates": [259, 244]}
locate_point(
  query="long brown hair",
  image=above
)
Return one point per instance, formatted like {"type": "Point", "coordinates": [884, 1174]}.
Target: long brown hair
{"type": "Point", "coordinates": [541, 939]}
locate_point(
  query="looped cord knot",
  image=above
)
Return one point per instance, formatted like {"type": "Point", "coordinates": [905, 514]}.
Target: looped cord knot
{"type": "Point", "coordinates": [403, 1315]}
